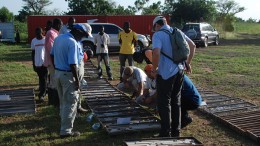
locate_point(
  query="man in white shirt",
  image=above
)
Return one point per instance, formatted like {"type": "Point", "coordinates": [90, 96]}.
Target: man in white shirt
{"type": "Point", "coordinates": [134, 81]}
{"type": "Point", "coordinates": [101, 41]}
{"type": "Point", "coordinates": [38, 52]}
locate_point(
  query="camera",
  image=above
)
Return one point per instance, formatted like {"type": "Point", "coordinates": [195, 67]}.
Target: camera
{"type": "Point", "coordinates": [102, 46]}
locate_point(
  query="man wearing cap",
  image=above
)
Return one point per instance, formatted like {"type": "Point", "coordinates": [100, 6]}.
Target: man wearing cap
{"type": "Point", "coordinates": [134, 81]}
{"type": "Point", "coordinates": [128, 40]}
{"type": "Point", "coordinates": [65, 56]}
{"type": "Point", "coordinates": [169, 79]}
{"type": "Point", "coordinates": [190, 96]}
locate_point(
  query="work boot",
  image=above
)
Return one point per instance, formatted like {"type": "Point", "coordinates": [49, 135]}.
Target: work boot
{"type": "Point", "coordinates": [185, 121]}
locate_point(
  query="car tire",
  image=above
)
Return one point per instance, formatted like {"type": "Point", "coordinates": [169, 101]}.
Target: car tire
{"type": "Point", "coordinates": [216, 41]}
{"type": "Point", "coordinates": [89, 45]}
{"type": "Point", "coordinates": [205, 43]}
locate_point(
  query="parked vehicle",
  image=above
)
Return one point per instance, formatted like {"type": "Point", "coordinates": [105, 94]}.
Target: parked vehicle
{"type": "Point", "coordinates": [112, 30]}
{"type": "Point", "coordinates": [201, 33]}
{"type": "Point", "coordinates": [7, 32]}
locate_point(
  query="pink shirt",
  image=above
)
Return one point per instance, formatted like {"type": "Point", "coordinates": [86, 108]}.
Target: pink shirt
{"type": "Point", "coordinates": [49, 39]}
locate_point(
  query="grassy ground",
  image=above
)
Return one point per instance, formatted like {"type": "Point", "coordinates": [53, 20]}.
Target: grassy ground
{"type": "Point", "coordinates": [231, 69]}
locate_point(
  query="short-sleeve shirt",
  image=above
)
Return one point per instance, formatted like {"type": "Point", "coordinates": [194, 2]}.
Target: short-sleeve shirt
{"type": "Point", "coordinates": [127, 46]}
{"type": "Point", "coordinates": [38, 47]}
{"type": "Point", "coordinates": [161, 40]}
{"type": "Point", "coordinates": [65, 51]}
{"type": "Point", "coordinates": [49, 39]}
{"type": "Point", "coordinates": [102, 39]}
{"type": "Point", "coordinates": [138, 75]}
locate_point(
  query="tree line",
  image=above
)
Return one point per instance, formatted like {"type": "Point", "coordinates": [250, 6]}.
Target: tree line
{"type": "Point", "coordinates": [180, 11]}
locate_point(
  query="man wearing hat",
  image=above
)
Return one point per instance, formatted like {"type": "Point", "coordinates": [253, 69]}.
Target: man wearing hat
{"type": "Point", "coordinates": [64, 54]}
{"type": "Point", "coordinates": [169, 79]}
{"type": "Point", "coordinates": [134, 80]}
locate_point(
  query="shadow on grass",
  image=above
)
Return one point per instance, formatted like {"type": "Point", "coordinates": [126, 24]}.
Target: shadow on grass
{"type": "Point", "coordinates": [243, 39]}
{"type": "Point", "coordinates": [37, 126]}
{"type": "Point", "coordinates": [19, 55]}
{"type": "Point", "coordinates": [19, 86]}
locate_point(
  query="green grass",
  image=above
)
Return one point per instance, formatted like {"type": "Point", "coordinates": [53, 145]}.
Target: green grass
{"type": "Point", "coordinates": [16, 66]}
{"type": "Point", "coordinates": [231, 69]}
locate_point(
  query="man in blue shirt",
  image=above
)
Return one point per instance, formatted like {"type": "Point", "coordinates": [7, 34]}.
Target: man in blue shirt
{"type": "Point", "coordinates": [64, 55]}
{"type": "Point", "coordinates": [169, 79]}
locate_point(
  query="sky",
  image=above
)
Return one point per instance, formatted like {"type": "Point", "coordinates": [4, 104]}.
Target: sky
{"type": "Point", "coordinates": [252, 6]}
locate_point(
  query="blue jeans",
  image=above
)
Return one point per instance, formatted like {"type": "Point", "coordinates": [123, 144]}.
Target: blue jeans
{"type": "Point", "coordinates": [105, 57]}
{"type": "Point", "coordinates": [69, 98]}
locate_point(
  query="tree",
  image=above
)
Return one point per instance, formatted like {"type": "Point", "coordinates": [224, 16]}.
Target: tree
{"type": "Point", "coordinates": [120, 10]}
{"type": "Point", "coordinates": [190, 10]}
{"type": "Point", "coordinates": [91, 7]}
{"type": "Point", "coordinates": [37, 7]}
{"type": "Point", "coordinates": [227, 10]}
{"type": "Point", "coordinates": [229, 7]}
{"type": "Point", "coordinates": [5, 15]}
{"type": "Point", "coordinates": [153, 9]}
{"type": "Point", "coordinates": [23, 14]}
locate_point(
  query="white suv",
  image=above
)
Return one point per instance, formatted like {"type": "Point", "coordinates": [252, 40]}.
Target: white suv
{"type": "Point", "coordinates": [112, 30]}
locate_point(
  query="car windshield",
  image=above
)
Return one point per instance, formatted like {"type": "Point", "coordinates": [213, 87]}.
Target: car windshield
{"type": "Point", "coordinates": [191, 26]}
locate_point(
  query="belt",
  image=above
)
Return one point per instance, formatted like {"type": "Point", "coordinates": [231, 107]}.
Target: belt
{"type": "Point", "coordinates": [63, 70]}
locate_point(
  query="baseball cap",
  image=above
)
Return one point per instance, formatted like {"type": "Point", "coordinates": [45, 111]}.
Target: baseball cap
{"type": "Point", "coordinates": [84, 27]}
{"type": "Point", "coordinates": [148, 68]}
{"type": "Point", "coordinates": [157, 18]}
{"type": "Point", "coordinates": [128, 71]}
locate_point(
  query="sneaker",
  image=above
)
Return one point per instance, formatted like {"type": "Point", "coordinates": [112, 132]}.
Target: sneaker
{"type": "Point", "coordinates": [100, 77]}
{"type": "Point", "coordinates": [72, 134]}
{"type": "Point", "coordinates": [82, 110]}
{"type": "Point", "coordinates": [185, 121]}
{"type": "Point", "coordinates": [110, 78]}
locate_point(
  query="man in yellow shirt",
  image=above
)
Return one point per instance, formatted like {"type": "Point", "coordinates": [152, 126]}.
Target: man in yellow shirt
{"type": "Point", "coordinates": [128, 40]}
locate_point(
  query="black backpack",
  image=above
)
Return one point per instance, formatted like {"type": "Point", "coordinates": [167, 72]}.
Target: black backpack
{"type": "Point", "coordinates": [180, 47]}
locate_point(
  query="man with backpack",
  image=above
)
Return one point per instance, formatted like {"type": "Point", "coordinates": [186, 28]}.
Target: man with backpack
{"type": "Point", "coordinates": [169, 77]}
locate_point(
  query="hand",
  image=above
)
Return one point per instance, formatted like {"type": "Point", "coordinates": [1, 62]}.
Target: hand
{"type": "Point", "coordinates": [188, 69]}
{"type": "Point", "coordinates": [154, 74]}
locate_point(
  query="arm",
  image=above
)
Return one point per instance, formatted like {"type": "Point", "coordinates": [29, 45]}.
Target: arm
{"type": "Point", "coordinates": [192, 52]}
{"type": "Point", "coordinates": [74, 71]}
{"type": "Point", "coordinates": [119, 38]}
{"type": "Point", "coordinates": [33, 61]}
{"type": "Point", "coordinates": [139, 90]}
{"type": "Point", "coordinates": [135, 39]}
{"type": "Point", "coordinates": [156, 57]}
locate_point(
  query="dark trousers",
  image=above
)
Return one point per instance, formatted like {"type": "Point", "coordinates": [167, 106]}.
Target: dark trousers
{"type": "Point", "coordinates": [42, 73]}
{"type": "Point", "coordinates": [105, 57]}
{"type": "Point", "coordinates": [122, 59]}
{"type": "Point", "coordinates": [169, 108]}
{"type": "Point", "coordinates": [186, 105]}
